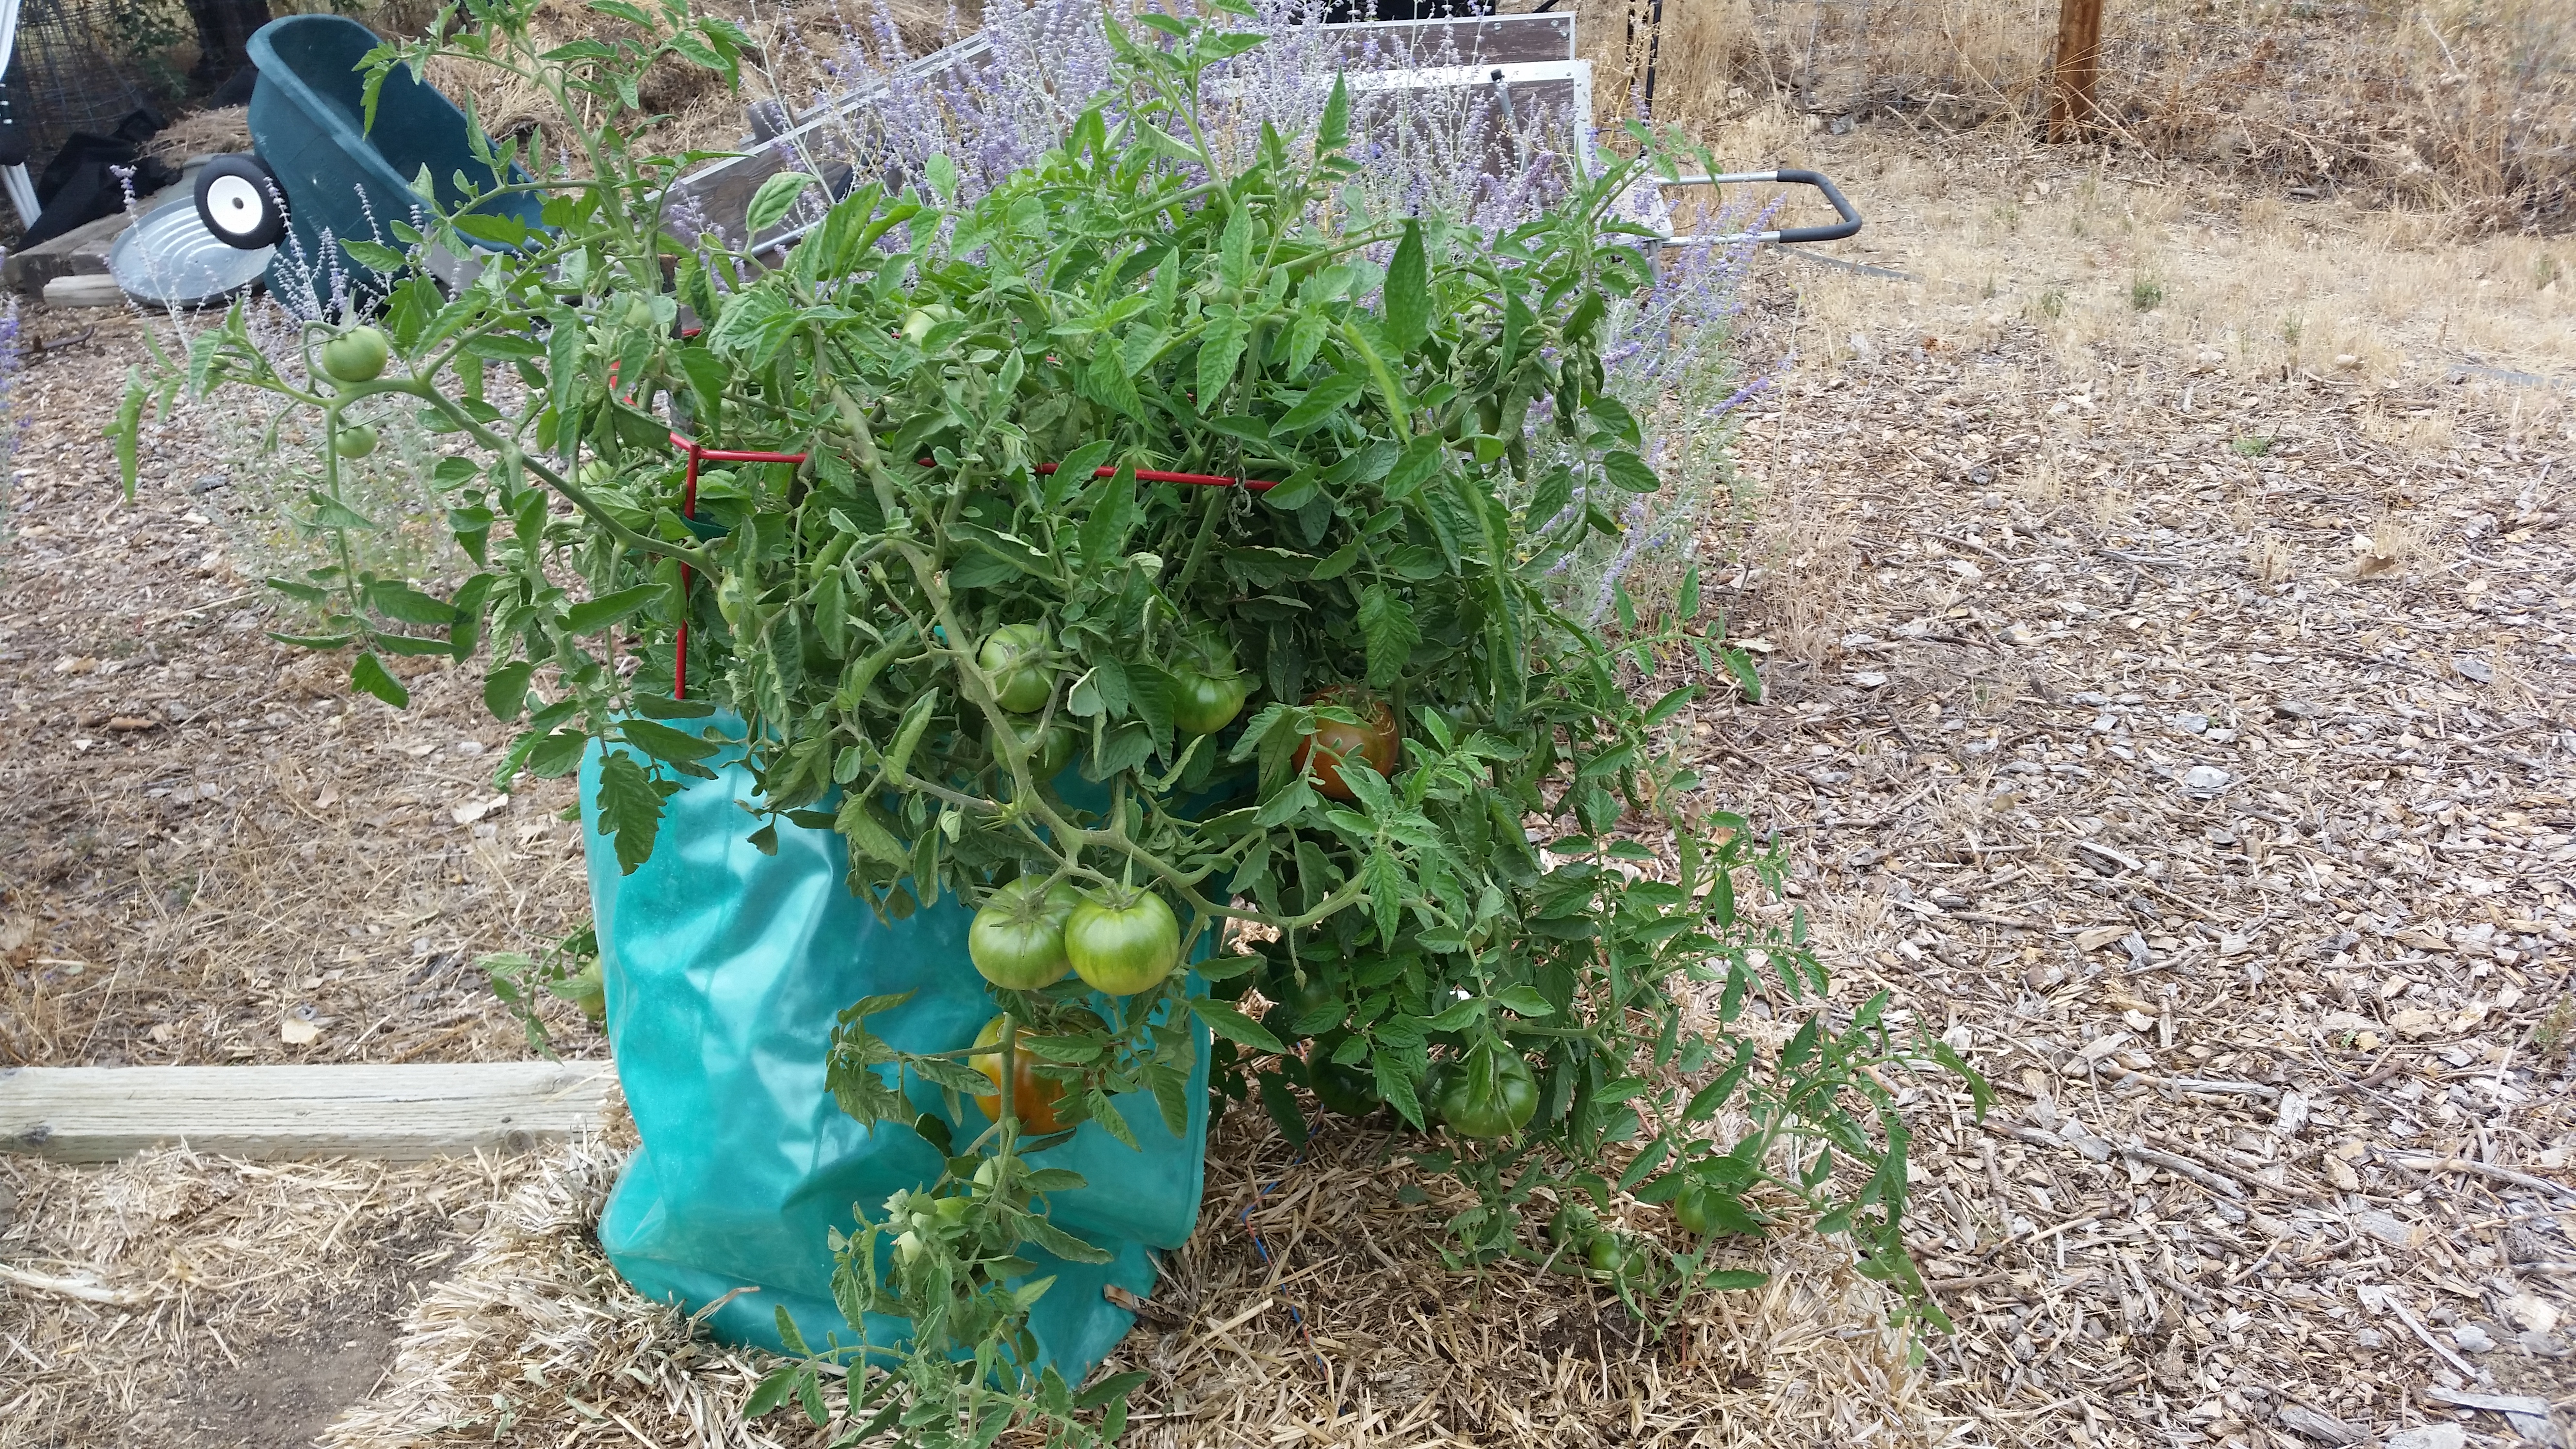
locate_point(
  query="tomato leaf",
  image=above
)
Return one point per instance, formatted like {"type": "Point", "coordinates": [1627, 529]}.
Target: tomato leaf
{"type": "Point", "coordinates": [630, 809]}
{"type": "Point", "coordinates": [1113, 510]}
{"type": "Point", "coordinates": [1628, 471]}
{"type": "Point", "coordinates": [599, 613]}
{"type": "Point", "coordinates": [771, 1391]}
{"type": "Point", "coordinates": [369, 674]}
{"type": "Point", "coordinates": [1282, 1106]}
{"type": "Point", "coordinates": [1386, 622]}
{"type": "Point", "coordinates": [1038, 1230]}
{"type": "Point", "coordinates": [775, 198]}
{"type": "Point", "coordinates": [1335, 131]}
{"type": "Point", "coordinates": [1233, 1025]}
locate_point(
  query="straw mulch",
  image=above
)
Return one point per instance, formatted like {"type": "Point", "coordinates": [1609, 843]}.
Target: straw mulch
{"type": "Point", "coordinates": [533, 1340]}
{"type": "Point", "coordinates": [179, 1299]}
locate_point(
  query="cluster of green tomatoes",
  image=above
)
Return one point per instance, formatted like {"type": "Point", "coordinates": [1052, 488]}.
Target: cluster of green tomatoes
{"type": "Point", "coordinates": [1032, 931]}
{"type": "Point", "coordinates": [1123, 939]}
{"type": "Point", "coordinates": [352, 357]}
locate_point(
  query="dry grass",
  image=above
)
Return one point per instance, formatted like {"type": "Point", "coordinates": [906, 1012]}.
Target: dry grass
{"type": "Point", "coordinates": [796, 43]}
{"type": "Point", "coordinates": [2118, 264]}
{"type": "Point", "coordinates": [2463, 107]}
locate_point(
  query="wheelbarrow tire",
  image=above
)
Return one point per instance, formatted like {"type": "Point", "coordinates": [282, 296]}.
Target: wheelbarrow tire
{"type": "Point", "coordinates": [241, 203]}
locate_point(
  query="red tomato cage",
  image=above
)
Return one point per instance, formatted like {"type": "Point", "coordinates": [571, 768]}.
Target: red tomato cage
{"type": "Point", "coordinates": [697, 453]}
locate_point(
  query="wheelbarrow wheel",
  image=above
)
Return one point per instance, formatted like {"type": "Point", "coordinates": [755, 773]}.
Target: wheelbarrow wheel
{"type": "Point", "coordinates": [241, 202]}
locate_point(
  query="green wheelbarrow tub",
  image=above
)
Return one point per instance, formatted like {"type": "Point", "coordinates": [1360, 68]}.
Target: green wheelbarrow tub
{"type": "Point", "coordinates": [308, 127]}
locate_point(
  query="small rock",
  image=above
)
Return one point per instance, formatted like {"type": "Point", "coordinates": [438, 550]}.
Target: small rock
{"type": "Point", "coordinates": [2542, 1345]}
{"type": "Point", "coordinates": [2295, 709]}
{"type": "Point", "coordinates": [2431, 1436]}
{"type": "Point", "coordinates": [1870, 681]}
{"type": "Point", "coordinates": [2206, 781]}
{"type": "Point", "coordinates": [2367, 1337]}
{"type": "Point", "coordinates": [2472, 667]}
{"type": "Point", "coordinates": [209, 483]}
{"type": "Point", "coordinates": [2471, 1338]}
{"type": "Point", "coordinates": [2191, 724]}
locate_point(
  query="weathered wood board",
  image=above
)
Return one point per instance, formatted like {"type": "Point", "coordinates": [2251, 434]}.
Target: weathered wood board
{"type": "Point", "coordinates": [397, 1113]}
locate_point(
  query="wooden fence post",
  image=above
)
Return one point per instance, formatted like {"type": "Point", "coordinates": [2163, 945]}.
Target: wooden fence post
{"type": "Point", "coordinates": [2071, 107]}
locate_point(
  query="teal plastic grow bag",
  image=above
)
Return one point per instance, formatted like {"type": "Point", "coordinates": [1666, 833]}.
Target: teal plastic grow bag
{"type": "Point", "coordinates": [724, 970]}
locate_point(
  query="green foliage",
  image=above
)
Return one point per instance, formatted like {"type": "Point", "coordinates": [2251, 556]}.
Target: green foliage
{"type": "Point", "coordinates": [568, 970]}
{"type": "Point", "coordinates": [1132, 302]}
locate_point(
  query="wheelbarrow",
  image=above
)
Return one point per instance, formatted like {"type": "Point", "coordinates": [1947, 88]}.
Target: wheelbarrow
{"type": "Point", "coordinates": [317, 170]}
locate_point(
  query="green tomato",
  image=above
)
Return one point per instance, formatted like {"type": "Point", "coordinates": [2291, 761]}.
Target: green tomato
{"type": "Point", "coordinates": [1014, 657]}
{"type": "Point", "coordinates": [1697, 1210]}
{"type": "Point", "coordinates": [1123, 940]}
{"type": "Point", "coordinates": [1490, 1094]}
{"type": "Point", "coordinates": [1348, 1090]}
{"type": "Point", "coordinates": [1054, 747]}
{"type": "Point", "coordinates": [355, 442]}
{"type": "Point", "coordinates": [639, 312]}
{"type": "Point", "coordinates": [357, 355]}
{"type": "Point", "coordinates": [909, 1246]}
{"type": "Point", "coordinates": [586, 989]}
{"type": "Point", "coordinates": [953, 1209]}
{"type": "Point", "coordinates": [1017, 941]}
{"type": "Point", "coordinates": [1615, 1259]}
{"type": "Point", "coordinates": [1202, 704]}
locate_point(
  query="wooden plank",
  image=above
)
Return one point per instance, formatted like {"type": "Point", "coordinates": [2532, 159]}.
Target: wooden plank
{"type": "Point", "coordinates": [398, 1113]}
{"type": "Point", "coordinates": [78, 291]}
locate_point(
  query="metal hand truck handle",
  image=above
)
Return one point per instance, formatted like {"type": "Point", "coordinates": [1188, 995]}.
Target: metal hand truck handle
{"type": "Point", "coordinates": [1789, 236]}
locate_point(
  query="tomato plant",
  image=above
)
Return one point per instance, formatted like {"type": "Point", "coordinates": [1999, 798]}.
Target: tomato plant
{"type": "Point", "coordinates": [1024, 661]}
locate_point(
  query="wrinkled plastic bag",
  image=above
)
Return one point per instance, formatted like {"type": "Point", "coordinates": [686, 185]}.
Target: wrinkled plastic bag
{"type": "Point", "coordinates": [724, 970]}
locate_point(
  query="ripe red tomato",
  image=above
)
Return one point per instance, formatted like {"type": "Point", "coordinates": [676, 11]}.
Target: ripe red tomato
{"type": "Point", "coordinates": [1334, 745]}
{"type": "Point", "coordinates": [1034, 1099]}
